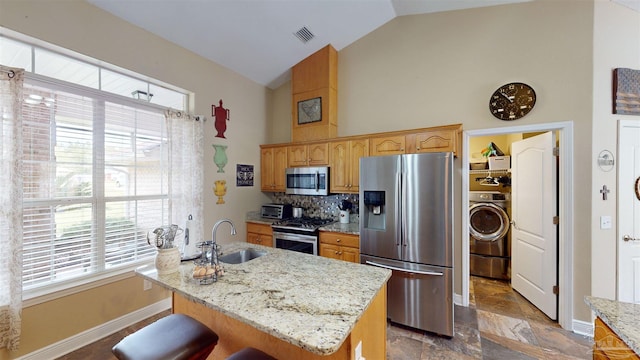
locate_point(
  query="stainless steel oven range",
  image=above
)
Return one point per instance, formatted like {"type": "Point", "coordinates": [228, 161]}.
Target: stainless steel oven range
{"type": "Point", "coordinates": [299, 234]}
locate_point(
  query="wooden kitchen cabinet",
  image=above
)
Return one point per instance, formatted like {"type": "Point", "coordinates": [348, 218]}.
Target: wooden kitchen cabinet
{"type": "Point", "coordinates": [260, 234]}
{"type": "Point", "coordinates": [273, 162]}
{"type": "Point", "coordinates": [316, 154]}
{"type": "Point", "coordinates": [608, 345]}
{"type": "Point", "coordinates": [388, 145]}
{"type": "Point", "coordinates": [437, 139]}
{"type": "Point", "coordinates": [433, 141]}
{"type": "Point", "coordinates": [340, 246]}
{"type": "Point", "coordinates": [344, 160]}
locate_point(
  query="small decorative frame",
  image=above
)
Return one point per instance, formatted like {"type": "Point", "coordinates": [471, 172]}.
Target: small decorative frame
{"type": "Point", "coordinates": [310, 110]}
{"type": "Point", "coordinates": [244, 175]}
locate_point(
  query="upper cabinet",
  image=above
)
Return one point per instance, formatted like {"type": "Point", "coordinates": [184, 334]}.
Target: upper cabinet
{"type": "Point", "coordinates": [437, 139]}
{"type": "Point", "coordinates": [343, 154]}
{"type": "Point", "coordinates": [316, 154]}
{"type": "Point", "coordinates": [314, 96]}
{"type": "Point", "coordinates": [273, 162]}
{"type": "Point", "coordinates": [388, 145]}
{"type": "Point", "coordinates": [345, 164]}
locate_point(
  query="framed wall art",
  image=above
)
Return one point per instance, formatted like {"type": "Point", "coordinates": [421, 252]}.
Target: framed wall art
{"type": "Point", "coordinates": [626, 91]}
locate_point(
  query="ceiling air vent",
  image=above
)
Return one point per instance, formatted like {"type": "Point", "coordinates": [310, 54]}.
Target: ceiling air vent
{"type": "Point", "coordinates": [304, 34]}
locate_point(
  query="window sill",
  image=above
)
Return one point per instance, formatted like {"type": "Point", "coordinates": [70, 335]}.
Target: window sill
{"type": "Point", "coordinates": [49, 293]}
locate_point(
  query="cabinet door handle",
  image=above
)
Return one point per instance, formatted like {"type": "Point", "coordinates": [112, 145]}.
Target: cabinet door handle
{"type": "Point", "coordinates": [337, 240]}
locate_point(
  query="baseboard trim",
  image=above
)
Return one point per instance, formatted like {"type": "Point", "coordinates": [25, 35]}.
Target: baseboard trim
{"type": "Point", "coordinates": [583, 328]}
{"type": "Point", "coordinates": [87, 337]}
{"type": "Point", "coordinates": [457, 299]}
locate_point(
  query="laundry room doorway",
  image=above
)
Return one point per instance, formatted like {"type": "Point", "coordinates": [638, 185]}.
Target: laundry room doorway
{"type": "Point", "coordinates": [473, 176]}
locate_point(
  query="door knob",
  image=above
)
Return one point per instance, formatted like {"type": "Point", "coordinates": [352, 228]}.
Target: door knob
{"type": "Point", "coordinates": [629, 238]}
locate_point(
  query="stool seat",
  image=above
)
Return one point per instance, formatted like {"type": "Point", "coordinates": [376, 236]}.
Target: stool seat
{"type": "Point", "coordinates": [250, 354]}
{"type": "Point", "coordinates": [176, 337]}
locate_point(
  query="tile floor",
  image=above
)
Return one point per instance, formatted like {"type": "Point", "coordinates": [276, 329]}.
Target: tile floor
{"type": "Point", "coordinates": [498, 324]}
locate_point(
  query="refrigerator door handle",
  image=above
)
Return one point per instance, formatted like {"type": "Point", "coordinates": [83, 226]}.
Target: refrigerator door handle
{"type": "Point", "coordinates": [434, 273]}
{"type": "Point", "coordinates": [399, 211]}
{"type": "Point", "coordinates": [403, 203]}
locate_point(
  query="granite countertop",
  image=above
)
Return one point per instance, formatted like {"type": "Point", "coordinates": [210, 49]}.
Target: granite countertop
{"type": "Point", "coordinates": [622, 318]}
{"type": "Point", "coordinates": [254, 216]}
{"type": "Point", "coordinates": [309, 301]}
{"type": "Point", "coordinates": [350, 228]}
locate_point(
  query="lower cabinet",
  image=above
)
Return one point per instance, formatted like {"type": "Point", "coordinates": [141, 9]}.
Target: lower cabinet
{"type": "Point", "coordinates": [607, 345]}
{"type": "Point", "coordinates": [340, 246]}
{"type": "Point", "coordinates": [260, 234]}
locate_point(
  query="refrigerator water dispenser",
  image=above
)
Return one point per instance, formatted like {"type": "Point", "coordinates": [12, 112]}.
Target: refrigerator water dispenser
{"type": "Point", "coordinates": [374, 216]}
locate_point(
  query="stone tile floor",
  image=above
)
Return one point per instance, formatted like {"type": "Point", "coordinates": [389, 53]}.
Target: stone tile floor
{"type": "Point", "coordinates": [498, 324]}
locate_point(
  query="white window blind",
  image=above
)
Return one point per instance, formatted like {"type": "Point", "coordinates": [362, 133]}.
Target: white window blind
{"type": "Point", "coordinates": [95, 181]}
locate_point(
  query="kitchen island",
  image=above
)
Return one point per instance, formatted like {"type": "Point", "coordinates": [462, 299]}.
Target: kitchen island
{"type": "Point", "coordinates": [287, 304]}
{"type": "Point", "coordinates": [616, 331]}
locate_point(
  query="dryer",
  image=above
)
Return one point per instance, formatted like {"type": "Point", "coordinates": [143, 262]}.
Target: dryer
{"type": "Point", "coordinates": [489, 238]}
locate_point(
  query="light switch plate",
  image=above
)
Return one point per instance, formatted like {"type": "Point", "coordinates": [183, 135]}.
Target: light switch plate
{"type": "Point", "coordinates": [605, 222]}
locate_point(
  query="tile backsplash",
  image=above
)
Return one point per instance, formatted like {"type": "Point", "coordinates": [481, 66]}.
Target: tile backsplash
{"type": "Point", "coordinates": [324, 207]}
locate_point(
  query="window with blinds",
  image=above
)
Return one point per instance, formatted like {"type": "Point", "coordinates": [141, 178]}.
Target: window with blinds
{"type": "Point", "coordinates": [95, 182]}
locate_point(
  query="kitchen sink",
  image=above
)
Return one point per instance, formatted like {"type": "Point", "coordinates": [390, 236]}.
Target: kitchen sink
{"type": "Point", "coordinates": [241, 256]}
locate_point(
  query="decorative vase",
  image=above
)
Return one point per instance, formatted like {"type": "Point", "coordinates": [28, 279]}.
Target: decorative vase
{"type": "Point", "coordinates": [220, 190]}
{"type": "Point", "coordinates": [167, 260]}
{"type": "Point", "coordinates": [220, 157]}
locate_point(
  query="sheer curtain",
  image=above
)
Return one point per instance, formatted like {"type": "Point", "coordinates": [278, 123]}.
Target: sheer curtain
{"type": "Point", "coordinates": [186, 153]}
{"type": "Point", "coordinates": [11, 81]}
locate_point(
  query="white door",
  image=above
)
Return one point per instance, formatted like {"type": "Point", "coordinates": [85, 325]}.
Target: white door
{"type": "Point", "coordinates": [629, 211]}
{"type": "Point", "coordinates": [533, 208]}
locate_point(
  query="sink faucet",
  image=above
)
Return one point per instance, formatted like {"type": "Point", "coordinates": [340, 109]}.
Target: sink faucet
{"type": "Point", "coordinates": [215, 254]}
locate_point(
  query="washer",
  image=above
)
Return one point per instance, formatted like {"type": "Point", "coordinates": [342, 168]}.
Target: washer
{"type": "Point", "coordinates": [489, 238]}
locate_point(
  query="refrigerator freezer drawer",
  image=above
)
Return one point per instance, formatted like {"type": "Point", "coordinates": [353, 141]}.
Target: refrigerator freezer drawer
{"type": "Point", "coordinates": [419, 296]}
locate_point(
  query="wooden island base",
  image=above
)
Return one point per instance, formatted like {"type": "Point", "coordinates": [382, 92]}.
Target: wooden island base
{"type": "Point", "coordinates": [235, 335]}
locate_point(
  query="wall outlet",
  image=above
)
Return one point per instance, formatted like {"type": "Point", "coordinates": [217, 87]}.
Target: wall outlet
{"type": "Point", "coordinates": [146, 285]}
{"type": "Point", "coordinates": [605, 222]}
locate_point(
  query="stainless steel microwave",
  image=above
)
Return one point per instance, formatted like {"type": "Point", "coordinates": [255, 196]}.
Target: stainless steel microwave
{"type": "Point", "coordinates": [307, 181]}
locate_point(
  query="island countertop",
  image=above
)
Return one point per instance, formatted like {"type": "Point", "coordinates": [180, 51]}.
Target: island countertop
{"type": "Point", "coordinates": [309, 301]}
{"type": "Point", "coordinates": [622, 318]}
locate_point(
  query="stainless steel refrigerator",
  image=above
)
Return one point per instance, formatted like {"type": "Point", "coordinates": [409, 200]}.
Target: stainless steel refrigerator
{"type": "Point", "coordinates": [406, 225]}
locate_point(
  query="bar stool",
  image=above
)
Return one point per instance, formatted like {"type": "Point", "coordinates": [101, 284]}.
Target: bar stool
{"type": "Point", "coordinates": [250, 354]}
{"type": "Point", "coordinates": [176, 337]}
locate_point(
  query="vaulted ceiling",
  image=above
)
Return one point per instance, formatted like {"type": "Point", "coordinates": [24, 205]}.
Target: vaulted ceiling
{"type": "Point", "coordinates": [257, 38]}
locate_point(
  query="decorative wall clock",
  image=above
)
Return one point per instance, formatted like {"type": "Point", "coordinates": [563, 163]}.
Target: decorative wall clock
{"type": "Point", "coordinates": [309, 110]}
{"type": "Point", "coordinates": [512, 101]}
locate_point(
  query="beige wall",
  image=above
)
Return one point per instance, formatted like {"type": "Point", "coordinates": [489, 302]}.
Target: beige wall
{"type": "Point", "coordinates": [435, 69]}
{"type": "Point", "coordinates": [81, 27]}
{"type": "Point", "coordinates": [616, 44]}
{"type": "Point", "coordinates": [415, 71]}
